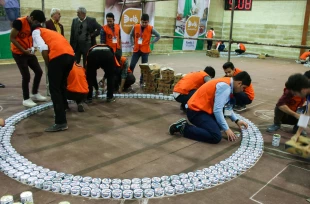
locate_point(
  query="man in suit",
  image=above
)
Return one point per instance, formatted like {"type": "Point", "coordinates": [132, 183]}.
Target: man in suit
{"type": "Point", "coordinates": [53, 23]}
{"type": "Point", "coordinates": [84, 30]}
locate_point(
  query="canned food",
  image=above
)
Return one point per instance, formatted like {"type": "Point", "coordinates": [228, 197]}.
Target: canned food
{"type": "Point", "coordinates": [64, 202]}
{"type": "Point", "coordinates": [31, 180]}
{"type": "Point", "coordinates": [7, 199]}
{"type": "Point", "coordinates": [85, 191]}
{"type": "Point", "coordinates": [136, 181]}
{"type": "Point", "coordinates": [117, 193]}
{"type": "Point", "coordinates": [159, 192]}
{"type": "Point", "coordinates": [65, 189]}
{"type": "Point", "coordinates": [56, 187]}
{"type": "Point", "coordinates": [138, 193]}
{"type": "Point", "coordinates": [106, 181]}
{"type": "Point", "coordinates": [125, 187]}
{"type": "Point", "coordinates": [169, 190]}
{"type": "Point", "coordinates": [77, 178]}
{"type": "Point", "coordinates": [24, 178]}
{"type": "Point", "coordinates": [95, 193]}
{"type": "Point", "coordinates": [87, 179]}
{"type": "Point", "coordinates": [106, 193]}
{"type": "Point", "coordinates": [276, 140]}
{"type": "Point", "coordinates": [156, 180]}
{"type": "Point", "coordinates": [39, 183]}
{"type": "Point", "coordinates": [156, 185]}
{"type": "Point", "coordinates": [127, 194]}
{"type": "Point", "coordinates": [26, 197]}
{"type": "Point", "coordinates": [149, 193]}
{"type": "Point", "coordinates": [75, 190]}
{"type": "Point", "coordinates": [146, 180]}
{"type": "Point", "coordinates": [47, 185]}
{"type": "Point", "coordinates": [179, 189]}
{"type": "Point", "coordinates": [238, 134]}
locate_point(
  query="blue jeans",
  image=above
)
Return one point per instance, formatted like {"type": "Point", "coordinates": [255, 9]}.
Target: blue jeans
{"type": "Point", "coordinates": [12, 13]}
{"type": "Point", "coordinates": [242, 99]}
{"type": "Point", "coordinates": [184, 98]}
{"type": "Point", "coordinates": [204, 128]}
{"type": "Point", "coordinates": [135, 58]}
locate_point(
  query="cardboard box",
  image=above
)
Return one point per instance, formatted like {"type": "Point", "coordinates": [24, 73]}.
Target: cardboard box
{"type": "Point", "coordinates": [213, 53]}
{"type": "Point", "coordinates": [299, 148]}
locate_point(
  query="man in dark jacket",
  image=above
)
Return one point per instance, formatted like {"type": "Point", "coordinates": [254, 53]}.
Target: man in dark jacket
{"type": "Point", "coordinates": [53, 23]}
{"type": "Point", "coordinates": [84, 30]}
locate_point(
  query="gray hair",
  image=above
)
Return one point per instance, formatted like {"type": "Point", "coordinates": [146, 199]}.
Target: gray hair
{"type": "Point", "coordinates": [54, 10]}
{"type": "Point", "coordinates": [82, 9]}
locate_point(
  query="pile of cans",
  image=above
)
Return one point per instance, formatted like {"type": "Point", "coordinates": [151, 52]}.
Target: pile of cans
{"type": "Point", "coordinates": [159, 96]}
{"type": "Point", "coordinates": [21, 169]}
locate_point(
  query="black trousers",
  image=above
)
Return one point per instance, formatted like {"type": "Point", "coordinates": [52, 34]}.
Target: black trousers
{"type": "Point", "coordinates": [82, 50]}
{"type": "Point", "coordinates": [77, 97]}
{"type": "Point", "coordinates": [282, 118]}
{"type": "Point", "coordinates": [184, 98]}
{"type": "Point", "coordinates": [58, 71]}
{"type": "Point", "coordinates": [239, 51]}
{"type": "Point", "coordinates": [23, 62]}
{"type": "Point", "coordinates": [209, 46]}
{"type": "Point", "coordinates": [103, 59]}
{"type": "Point", "coordinates": [242, 99]}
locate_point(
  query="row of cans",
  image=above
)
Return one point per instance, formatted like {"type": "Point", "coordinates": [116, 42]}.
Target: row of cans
{"type": "Point", "coordinates": [23, 170]}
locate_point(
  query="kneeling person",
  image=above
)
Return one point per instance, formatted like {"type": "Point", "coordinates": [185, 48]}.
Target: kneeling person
{"type": "Point", "coordinates": [77, 87]}
{"type": "Point", "coordinates": [124, 79]}
{"type": "Point", "coordinates": [244, 97]}
{"type": "Point", "coordinates": [205, 110]}
{"type": "Point", "coordinates": [188, 85]}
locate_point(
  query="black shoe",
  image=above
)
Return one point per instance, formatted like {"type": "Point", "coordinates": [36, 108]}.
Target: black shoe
{"type": "Point", "coordinates": [109, 100]}
{"type": "Point", "coordinates": [239, 108]}
{"type": "Point", "coordinates": [80, 108]}
{"type": "Point", "coordinates": [57, 127]}
{"type": "Point", "coordinates": [177, 126]}
{"type": "Point", "coordinates": [2, 85]}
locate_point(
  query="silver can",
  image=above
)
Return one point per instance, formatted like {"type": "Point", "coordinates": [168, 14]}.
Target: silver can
{"type": "Point", "coordinates": [169, 190]}
{"type": "Point", "coordinates": [56, 187]}
{"type": "Point", "coordinates": [159, 192]}
{"type": "Point", "coordinates": [127, 194]}
{"type": "Point", "coordinates": [106, 193]}
{"type": "Point", "coordinates": [39, 183]}
{"type": "Point", "coordinates": [106, 181]}
{"type": "Point", "coordinates": [85, 191]}
{"type": "Point", "coordinates": [75, 190]}
{"type": "Point", "coordinates": [138, 193]}
{"type": "Point", "coordinates": [117, 193]}
{"type": "Point", "coordinates": [95, 193]}
{"type": "Point", "coordinates": [65, 189]}
{"type": "Point", "coordinates": [26, 197]}
{"type": "Point", "coordinates": [47, 185]}
{"type": "Point", "coordinates": [24, 178]}
{"type": "Point", "coordinates": [7, 199]}
{"type": "Point", "coordinates": [149, 193]}
{"type": "Point", "coordinates": [31, 180]}
{"type": "Point", "coordinates": [87, 179]}
{"type": "Point", "coordinates": [276, 138]}
{"type": "Point", "coordinates": [179, 189]}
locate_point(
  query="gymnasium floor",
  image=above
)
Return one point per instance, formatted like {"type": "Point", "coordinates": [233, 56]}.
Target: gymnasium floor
{"type": "Point", "coordinates": [129, 138]}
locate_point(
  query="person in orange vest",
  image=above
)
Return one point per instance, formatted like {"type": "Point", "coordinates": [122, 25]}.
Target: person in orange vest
{"type": "Point", "coordinates": [110, 34]}
{"type": "Point", "coordinates": [205, 110]}
{"type": "Point", "coordinates": [304, 58]}
{"type": "Point", "coordinates": [124, 78]}
{"type": "Point", "coordinates": [23, 54]}
{"type": "Point", "coordinates": [188, 85]}
{"type": "Point", "coordinates": [210, 34]}
{"type": "Point", "coordinates": [101, 56]}
{"type": "Point", "coordinates": [77, 87]}
{"type": "Point", "coordinates": [241, 48]}
{"type": "Point", "coordinates": [58, 56]}
{"type": "Point", "coordinates": [142, 34]}
{"type": "Point", "coordinates": [243, 98]}
{"type": "Point", "coordinates": [288, 110]}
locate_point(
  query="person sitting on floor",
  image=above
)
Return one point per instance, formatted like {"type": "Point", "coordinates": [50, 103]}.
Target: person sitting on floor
{"type": "Point", "coordinates": [205, 110]}
{"type": "Point", "coordinates": [304, 58]}
{"type": "Point", "coordinates": [299, 85]}
{"type": "Point", "coordinates": [241, 49]}
{"type": "Point", "coordinates": [188, 85]}
{"type": "Point", "coordinates": [220, 46]}
{"type": "Point", "coordinates": [242, 98]}
{"type": "Point", "coordinates": [288, 110]}
{"type": "Point", "coordinates": [77, 87]}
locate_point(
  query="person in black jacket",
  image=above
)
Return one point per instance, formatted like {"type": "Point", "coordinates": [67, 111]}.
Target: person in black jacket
{"type": "Point", "coordinates": [84, 30]}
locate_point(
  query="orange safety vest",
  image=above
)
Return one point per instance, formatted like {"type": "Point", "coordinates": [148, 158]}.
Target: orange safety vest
{"type": "Point", "coordinates": [76, 81]}
{"type": "Point", "coordinates": [23, 37]}
{"type": "Point", "coordinates": [190, 82]}
{"type": "Point", "coordinates": [304, 55]}
{"type": "Point", "coordinates": [122, 62]}
{"type": "Point", "coordinates": [295, 102]}
{"type": "Point", "coordinates": [242, 47]}
{"type": "Point", "coordinates": [210, 34]}
{"type": "Point", "coordinates": [203, 98]}
{"type": "Point", "coordinates": [109, 36]}
{"type": "Point", "coordinates": [146, 38]}
{"type": "Point", "coordinates": [57, 44]}
{"type": "Point", "coordinates": [248, 90]}
{"type": "Point", "coordinates": [105, 45]}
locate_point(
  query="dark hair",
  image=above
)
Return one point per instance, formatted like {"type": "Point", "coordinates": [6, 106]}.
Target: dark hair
{"type": "Point", "coordinates": [145, 17]}
{"type": "Point", "coordinates": [38, 15]}
{"type": "Point", "coordinates": [296, 82]}
{"type": "Point", "coordinates": [110, 15]}
{"type": "Point", "coordinates": [244, 77]}
{"type": "Point", "coordinates": [228, 65]}
{"type": "Point", "coordinates": [211, 28]}
{"type": "Point", "coordinates": [307, 74]}
{"type": "Point", "coordinates": [210, 71]}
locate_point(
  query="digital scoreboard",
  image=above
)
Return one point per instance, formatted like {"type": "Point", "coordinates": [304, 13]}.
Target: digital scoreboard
{"type": "Point", "coordinates": [240, 5]}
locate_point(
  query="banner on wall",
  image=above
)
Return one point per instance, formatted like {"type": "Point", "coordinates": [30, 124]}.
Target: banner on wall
{"type": "Point", "coordinates": [131, 16]}
{"type": "Point", "coordinates": [191, 21]}
{"type": "Point", "coordinates": [9, 11]}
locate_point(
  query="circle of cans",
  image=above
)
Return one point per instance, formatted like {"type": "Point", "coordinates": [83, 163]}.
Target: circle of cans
{"type": "Point", "coordinates": [21, 169]}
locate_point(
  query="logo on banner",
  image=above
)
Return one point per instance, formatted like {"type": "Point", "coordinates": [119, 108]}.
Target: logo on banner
{"type": "Point", "coordinates": [130, 17]}
{"type": "Point", "coordinates": [192, 25]}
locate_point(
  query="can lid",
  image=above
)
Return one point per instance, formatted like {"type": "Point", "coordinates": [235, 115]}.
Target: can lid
{"type": "Point", "coordinates": [64, 202]}
{"type": "Point", "coordinates": [6, 198]}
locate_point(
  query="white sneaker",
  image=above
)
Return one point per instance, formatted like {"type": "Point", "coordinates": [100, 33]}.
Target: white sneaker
{"type": "Point", "coordinates": [29, 103]}
{"type": "Point", "coordinates": [38, 97]}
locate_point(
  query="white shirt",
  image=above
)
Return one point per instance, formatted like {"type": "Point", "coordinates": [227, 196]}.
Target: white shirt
{"type": "Point", "coordinates": [38, 41]}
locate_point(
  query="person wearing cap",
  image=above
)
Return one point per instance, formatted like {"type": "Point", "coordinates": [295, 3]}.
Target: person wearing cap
{"type": "Point", "coordinates": [110, 34]}
{"type": "Point", "coordinates": [288, 110]}
{"type": "Point", "coordinates": [205, 110]}
{"type": "Point", "coordinates": [23, 54]}
{"type": "Point", "coordinates": [58, 56]}
{"type": "Point", "coordinates": [101, 56]}
{"type": "Point", "coordinates": [189, 84]}
{"type": "Point", "coordinates": [140, 38]}
{"type": "Point", "coordinates": [241, 49]}
{"type": "Point", "coordinates": [53, 23]}
{"type": "Point", "coordinates": [210, 34]}
{"type": "Point", "coordinates": [245, 97]}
